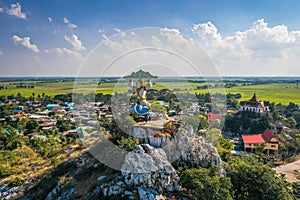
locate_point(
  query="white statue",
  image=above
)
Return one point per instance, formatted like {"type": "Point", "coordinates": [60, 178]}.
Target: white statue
{"type": "Point", "coordinates": [141, 90]}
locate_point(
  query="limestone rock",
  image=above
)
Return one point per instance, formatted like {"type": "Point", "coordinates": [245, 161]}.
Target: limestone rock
{"type": "Point", "coordinates": [59, 193]}
{"type": "Point", "coordinates": [149, 166]}
{"type": "Point", "coordinates": [147, 193]}
{"type": "Point", "coordinates": [190, 150]}
{"type": "Point", "coordinates": [185, 148]}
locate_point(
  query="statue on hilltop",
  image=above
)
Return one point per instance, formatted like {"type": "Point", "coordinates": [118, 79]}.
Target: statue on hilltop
{"type": "Point", "coordinates": [142, 106]}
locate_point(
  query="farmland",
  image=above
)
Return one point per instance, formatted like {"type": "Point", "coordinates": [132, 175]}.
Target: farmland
{"type": "Point", "coordinates": [273, 92]}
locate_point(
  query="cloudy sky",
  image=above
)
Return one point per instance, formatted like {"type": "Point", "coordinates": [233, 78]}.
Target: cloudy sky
{"type": "Point", "coordinates": [53, 37]}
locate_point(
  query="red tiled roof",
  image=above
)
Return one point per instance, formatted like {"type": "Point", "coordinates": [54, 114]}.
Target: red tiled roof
{"type": "Point", "coordinates": [268, 135]}
{"type": "Point", "coordinates": [213, 116]}
{"type": "Point", "coordinates": [253, 139]}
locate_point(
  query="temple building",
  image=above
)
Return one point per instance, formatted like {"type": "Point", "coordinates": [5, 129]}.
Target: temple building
{"type": "Point", "coordinates": [255, 105]}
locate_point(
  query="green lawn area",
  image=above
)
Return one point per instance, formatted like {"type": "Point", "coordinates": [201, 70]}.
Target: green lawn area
{"type": "Point", "coordinates": [278, 93]}
{"type": "Point", "coordinates": [50, 89]}
{"type": "Point", "coordinates": [54, 88]}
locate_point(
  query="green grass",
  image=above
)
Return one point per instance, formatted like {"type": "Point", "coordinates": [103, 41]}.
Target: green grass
{"type": "Point", "coordinates": [54, 88]}
{"type": "Point", "coordinates": [278, 93]}
{"type": "Point", "coordinates": [50, 89]}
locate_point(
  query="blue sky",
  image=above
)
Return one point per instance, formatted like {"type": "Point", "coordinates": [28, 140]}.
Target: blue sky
{"type": "Point", "coordinates": [37, 36]}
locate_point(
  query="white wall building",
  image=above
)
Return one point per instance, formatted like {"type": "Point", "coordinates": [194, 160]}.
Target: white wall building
{"type": "Point", "coordinates": [255, 105]}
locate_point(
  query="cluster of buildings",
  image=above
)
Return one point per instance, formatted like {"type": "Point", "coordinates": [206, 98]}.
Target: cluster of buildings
{"type": "Point", "coordinates": [86, 116]}
{"type": "Point", "coordinates": [267, 139]}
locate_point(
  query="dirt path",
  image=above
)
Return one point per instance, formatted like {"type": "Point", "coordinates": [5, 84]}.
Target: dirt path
{"type": "Point", "coordinates": [291, 170]}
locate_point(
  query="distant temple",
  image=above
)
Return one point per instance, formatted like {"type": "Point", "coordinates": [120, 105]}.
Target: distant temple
{"type": "Point", "coordinates": [255, 105]}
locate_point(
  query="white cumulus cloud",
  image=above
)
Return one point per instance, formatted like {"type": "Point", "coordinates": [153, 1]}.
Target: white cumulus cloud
{"type": "Point", "coordinates": [70, 25]}
{"type": "Point", "coordinates": [1, 10]}
{"type": "Point", "coordinates": [25, 42]}
{"type": "Point", "coordinates": [75, 42]}
{"type": "Point", "coordinates": [260, 49]}
{"type": "Point", "coordinates": [122, 33]}
{"type": "Point", "coordinates": [16, 10]}
{"type": "Point", "coordinates": [49, 19]}
{"type": "Point", "coordinates": [117, 30]}
{"type": "Point", "coordinates": [68, 52]}
{"type": "Point", "coordinates": [133, 33]}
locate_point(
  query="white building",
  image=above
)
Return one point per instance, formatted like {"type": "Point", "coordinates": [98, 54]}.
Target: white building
{"type": "Point", "coordinates": [255, 105]}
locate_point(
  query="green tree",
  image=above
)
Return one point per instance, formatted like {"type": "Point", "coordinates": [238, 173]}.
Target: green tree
{"type": "Point", "coordinates": [232, 103]}
{"type": "Point", "coordinates": [156, 107]}
{"type": "Point", "coordinates": [32, 126]}
{"type": "Point", "coordinates": [22, 124]}
{"type": "Point", "coordinates": [63, 125]}
{"type": "Point", "coordinates": [224, 147]}
{"type": "Point", "coordinates": [213, 135]}
{"type": "Point", "coordinates": [291, 122]}
{"type": "Point", "coordinates": [203, 124]}
{"type": "Point", "coordinates": [206, 184]}
{"type": "Point", "coordinates": [252, 179]}
{"type": "Point", "coordinates": [128, 143]}
{"type": "Point", "coordinates": [10, 139]}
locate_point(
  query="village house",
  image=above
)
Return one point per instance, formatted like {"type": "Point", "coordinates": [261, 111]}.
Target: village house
{"type": "Point", "coordinates": [211, 116]}
{"type": "Point", "coordinates": [267, 138]}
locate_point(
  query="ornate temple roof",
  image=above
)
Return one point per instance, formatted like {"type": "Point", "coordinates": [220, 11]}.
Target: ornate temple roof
{"type": "Point", "coordinates": [255, 102]}
{"type": "Point", "coordinates": [254, 98]}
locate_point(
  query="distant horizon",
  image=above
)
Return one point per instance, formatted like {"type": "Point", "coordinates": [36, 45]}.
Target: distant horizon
{"type": "Point", "coordinates": [187, 76]}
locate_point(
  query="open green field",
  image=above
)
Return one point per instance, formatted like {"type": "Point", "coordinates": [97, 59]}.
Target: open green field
{"type": "Point", "coordinates": [278, 93]}
{"type": "Point", "coordinates": [275, 92]}
{"type": "Point", "coordinates": [54, 88]}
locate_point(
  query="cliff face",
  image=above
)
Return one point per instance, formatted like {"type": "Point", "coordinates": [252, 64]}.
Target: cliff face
{"type": "Point", "coordinates": [146, 134]}
{"type": "Point", "coordinates": [184, 149]}
{"type": "Point", "coordinates": [187, 149]}
{"type": "Point", "coordinates": [148, 166]}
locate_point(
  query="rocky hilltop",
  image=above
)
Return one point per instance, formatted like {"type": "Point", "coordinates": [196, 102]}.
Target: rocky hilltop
{"type": "Point", "coordinates": [147, 173]}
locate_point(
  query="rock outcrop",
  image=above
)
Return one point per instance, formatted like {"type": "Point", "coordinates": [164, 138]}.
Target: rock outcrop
{"type": "Point", "coordinates": [149, 166]}
{"type": "Point", "coordinates": [11, 192]}
{"type": "Point", "coordinates": [146, 134]}
{"type": "Point", "coordinates": [149, 170]}
{"type": "Point", "coordinates": [62, 193]}
{"type": "Point", "coordinates": [187, 149]}
{"type": "Point", "coordinates": [146, 169]}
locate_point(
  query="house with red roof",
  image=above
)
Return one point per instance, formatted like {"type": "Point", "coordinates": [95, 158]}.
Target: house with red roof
{"type": "Point", "coordinates": [270, 141]}
{"type": "Point", "coordinates": [211, 116]}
